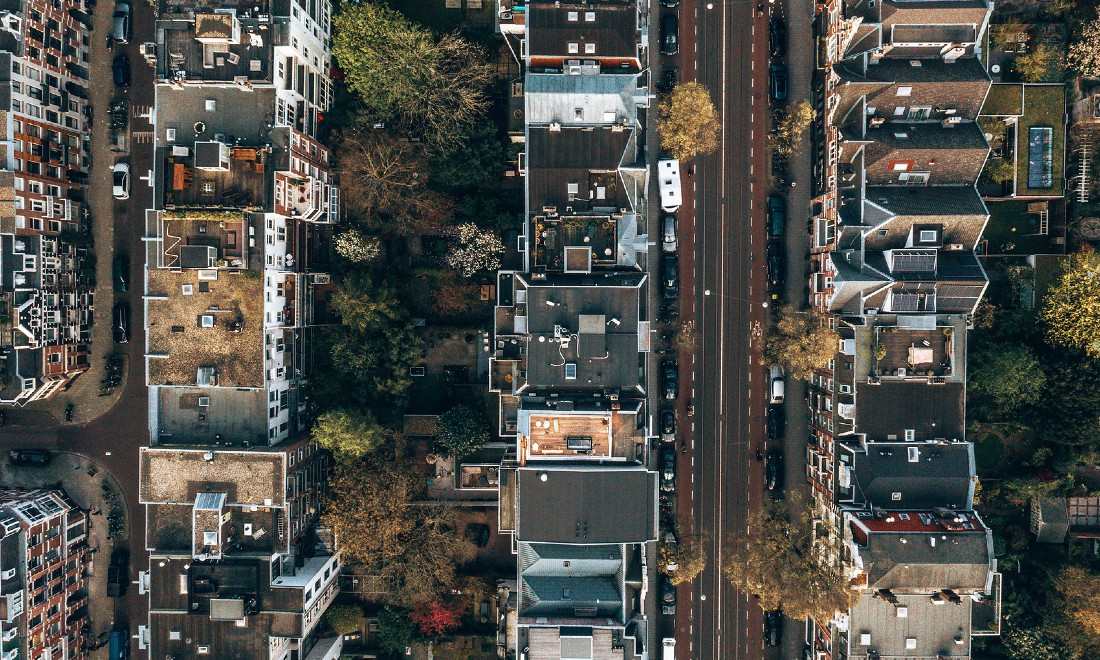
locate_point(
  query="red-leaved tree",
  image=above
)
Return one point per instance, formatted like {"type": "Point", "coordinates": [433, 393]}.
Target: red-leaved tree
{"type": "Point", "coordinates": [435, 619]}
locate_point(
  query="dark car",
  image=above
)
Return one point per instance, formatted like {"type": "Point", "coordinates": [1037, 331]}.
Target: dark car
{"type": "Point", "coordinates": [118, 573]}
{"type": "Point", "coordinates": [668, 469]}
{"type": "Point", "coordinates": [121, 269]}
{"type": "Point", "coordinates": [119, 646]}
{"type": "Point", "coordinates": [777, 37]}
{"type": "Point", "coordinates": [773, 627]}
{"type": "Point", "coordinates": [668, 425]}
{"type": "Point", "coordinates": [777, 216]}
{"type": "Point", "coordinates": [121, 27]}
{"type": "Point", "coordinates": [775, 264]}
{"type": "Point", "coordinates": [671, 282]}
{"type": "Point", "coordinates": [29, 457]}
{"type": "Point", "coordinates": [776, 422]}
{"type": "Point", "coordinates": [670, 34]}
{"type": "Point", "coordinates": [670, 379]}
{"type": "Point", "coordinates": [773, 469]}
{"type": "Point", "coordinates": [668, 596]}
{"type": "Point", "coordinates": [669, 79]}
{"type": "Point", "coordinates": [478, 534]}
{"type": "Point", "coordinates": [671, 4]}
{"type": "Point", "coordinates": [121, 70]}
{"type": "Point", "coordinates": [121, 316]}
{"type": "Point", "coordinates": [777, 82]}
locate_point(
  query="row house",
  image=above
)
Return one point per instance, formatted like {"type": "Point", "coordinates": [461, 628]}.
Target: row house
{"type": "Point", "coordinates": [44, 563]}
{"type": "Point", "coordinates": [571, 343]}
{"type": "Point", "coordinates": [237, 567]}
{"type": "Point", "coordinates": [239, 239]}
{"type": "Point", "coordinates": [47, 289]}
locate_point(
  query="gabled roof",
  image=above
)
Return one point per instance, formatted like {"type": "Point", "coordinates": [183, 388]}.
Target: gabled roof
{"type": "Point", "coordinates": [907, 561]}
{"type": "Point", "coordinates": [959, 87]}
{"type": "Point", "coordinates": [952, 155]}
{"type": "Point", "coordinates": [601, 99]}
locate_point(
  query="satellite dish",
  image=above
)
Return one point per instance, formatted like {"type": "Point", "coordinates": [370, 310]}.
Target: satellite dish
{"type": "Point", "coordinates": [996, 68]}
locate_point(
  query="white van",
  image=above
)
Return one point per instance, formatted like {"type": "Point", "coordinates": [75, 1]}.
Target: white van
{"type": "Point", "coordinates": [776, 386]}
{"type": "Point", "coordinates": [668, 184]}
{"type": "Point", "coordinates": [668, 646]}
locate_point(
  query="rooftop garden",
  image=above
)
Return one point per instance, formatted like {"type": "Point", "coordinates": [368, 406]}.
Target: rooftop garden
{"type": "Point", "coordinates": [1044, 106]}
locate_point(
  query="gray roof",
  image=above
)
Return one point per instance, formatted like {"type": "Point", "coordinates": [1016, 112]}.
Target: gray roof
{"type": "Point", "coordinates": [613, 32]}
{"type": "Point", "coordinates": [960, 87]}
{"type": "Point", "coordinates": [1050, 519]}
{"type": "Point", "coordinates": [952, 156]}
{"type": "Point", "coordinates": [548, 595]}
{"type": "Point", "coordinates": [907, 561]}
{"type": "Point", "coordinates": [239, 112]}
{"type": "Point", "coordinates": [891, 407]}
{"type": "Point", "coordinates": [586, 504]}
{"type": "Point", "coordinates": [934, 627]}
{"type": "Point", "coordinates": [942, 475]}
{"type": "Point", "coordinates": [557, 158]}
{"type": "Point", "coordinates": [556, 98]}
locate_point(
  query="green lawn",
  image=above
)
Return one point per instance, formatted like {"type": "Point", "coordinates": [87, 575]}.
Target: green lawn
{"type": "Point", "coordinates": [1044, 105]}
{"type": "Point", "coordinates": [1012, 230]}
{"type": "Point", "coordinates": [1003, 100]}
{"type": "Point", "coordinates": [988, 453]}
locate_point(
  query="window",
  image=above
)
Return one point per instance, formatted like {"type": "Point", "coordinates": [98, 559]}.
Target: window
{"type": "Point", "coordinates": [928, 235]}
{"type": "Point", "coordinates": [590, 16]}
{"type": "Point", "coordinates": [883, 233]}
{"type": "Point", "coordinates": [574, 47]}
{"type": "Point", "coordinates": [905, 90]}
{"type": "Point", "coordinates": [900, 165]}
{"type": "Point", "coordinates": [910, 435]}
{"type": "Point", "coordinates": [574, 16]}
{"type": "Point", "coordinates": [896, 496]}
{"type": "Point", "coordinates": [918, 178]}
{"type": "Point", "coordinates": [899, 111]}
{"type": "Point", "coordinates": [871, 110]}
{"type": "Point", "coordinates": [918, 113]}
{"type": "Point", "coordinates": [590, 48]}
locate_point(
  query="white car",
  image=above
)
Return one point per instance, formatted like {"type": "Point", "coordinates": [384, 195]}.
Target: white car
{"type": "Point", "coordinates": [668, 242]}
{"type": "Point", "coordinates": [120, 177]}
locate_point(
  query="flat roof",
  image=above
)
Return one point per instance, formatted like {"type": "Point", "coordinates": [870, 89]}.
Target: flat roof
{"type": "Point", "coordinates": [204, 415]}
{"type": "Point", "coordinates": [176, 476]}
{"type": "Point", "coordinates": [562, 433]}
{"type": "Point", "coordinates": [884, 411]}
{"type": "Point", "coordinates": [181, 302]}
{"type": "Point", "coordinates": [586, 504]}
{"type": "Point", "coordinates": [912, 475]}
{"type": "Point", "coordinates": [611, 30]}
{"type": "Point", "coordinates": [927, 629]}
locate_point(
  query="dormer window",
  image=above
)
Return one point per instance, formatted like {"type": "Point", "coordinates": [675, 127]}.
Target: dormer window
{"type": "Point", "coordinates": [928, 235]}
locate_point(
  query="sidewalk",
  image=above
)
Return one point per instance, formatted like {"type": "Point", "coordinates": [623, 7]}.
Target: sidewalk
{"type": "Point", "coordinates": [84, 393]}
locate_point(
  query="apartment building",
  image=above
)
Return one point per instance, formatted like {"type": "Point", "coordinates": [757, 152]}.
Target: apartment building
{"type": "Point", "coordinates": [240, 233]}
{"type": "Point", "coordinates": [44, 559]}
{"type": "Point", "coordinates": [46, 298]}
{"type": "Point", "coordinates": [237, 567]}
{"type": "Point", "coordinates": [571, 344]}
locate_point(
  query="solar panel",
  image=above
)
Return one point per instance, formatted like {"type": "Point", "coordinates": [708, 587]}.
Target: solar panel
{"type": "Point", "coordinates": [914, 262]}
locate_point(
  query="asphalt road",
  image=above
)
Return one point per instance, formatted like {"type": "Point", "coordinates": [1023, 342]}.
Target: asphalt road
{"type": "Point", "coordinates": [731, 61]}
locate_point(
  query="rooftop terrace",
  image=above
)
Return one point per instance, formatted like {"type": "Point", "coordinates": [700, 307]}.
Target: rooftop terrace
{"type": "Point", "coordinates": [205, 328]}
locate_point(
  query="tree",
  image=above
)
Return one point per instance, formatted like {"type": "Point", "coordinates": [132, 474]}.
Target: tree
{"type": "Point", "coordinates": [1084, 52]}
{"type": "Point", "coordinates": [434, 87]}
{"type": "Point", "coordinates": [1008, 33]}
{"type": "Point", "coordinates": [365, 307]}
{"type": "Point", "coordinates": [1042, 64]}
{"type": "Point", "coordinates": [687, 122]}
{"type": "Point", "coordinates": [452, 296]}
{"type": "Point", "coordinates": [792, 125]}
{"type": "Point", "coordinates": [357, 247]}
{"type": "Point", "coordinates": [384, 185]}
{"type": "Point", "coordinates": [1007, 375]}
{"type": "Point", "coordinates": [435, 619]}
{"type": "Point", "coordinates": [461, 431]}
{"type": "Point", "coordinates": [478, 161]}
{"type": "Point", "coordinates": [1071, 307]}
{"type": "Point", "coordinates": [344, 619]}
{"type": "Point", "coordinates": [682, 561]}
{"type": "Point", "coordinates": [1077, 600]}
{"type": "Point", "coordinates": [801, 342]}
{"type": "Point", "coordinates": [475, 250]}
{"type": "Point", "coordinates": [776, 561]}
{"type": "Point", "coordinates": [395, 631]}
{"type": "Point", "coordinates": [999, 170]}
{"type": "Point", "coordinates": [348, 433]}
{"type": "Point", "coordinates": [372, 367]}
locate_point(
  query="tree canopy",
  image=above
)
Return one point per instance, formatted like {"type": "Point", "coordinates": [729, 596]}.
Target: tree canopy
{"type": "Point", "coordinates": [395, 631]}
{"type": "Point", "coordinates": [682, 561]}
{"type": "Point", "coordinates": [1007, 376]}
{"type": "Point", "coordinates": [462, 431]}
{"type": "Point", "coordinates": [775, 560]}
{"type": "Point", "coordinates": [801, 342]}
{"type": "Point", "coordinates": [1084, 52]}
{"type": "Point", "coordinates": [1071, 307]}
{"type": "Point", "coordinates": [687, 122]}
{"type": "Point", "coordinates": [479, 160]}
{"type": "Point", "coordinates": [475, 249]}
{"type": "Point", "coordinates": [344, 619]}
{"type": "Point", "coordinates": [348, 433]}
{"type": "Point", "coordinates": [432, 87]}
{"type": "Point", "coordinates": [792, 126]}
{"type": "Point", "coordinates": [1042, 64]}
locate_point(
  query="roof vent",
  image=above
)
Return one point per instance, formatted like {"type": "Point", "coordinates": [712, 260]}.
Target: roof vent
{"type": "Point", "coordinates": [914, 454]}
{"type": "Point", "coordinates": [903, 612]}
{"type": "Point", "coordinates": [910, 643]}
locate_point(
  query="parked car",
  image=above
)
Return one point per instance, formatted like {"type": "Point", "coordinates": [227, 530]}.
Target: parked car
{"type": "Point", "coordinates": [775, 264]}
{"type": "Point", "coordinates": [773, 627]}
{"type": "Point", "coordinates": [120, 177]}
{"type": "Point", "coordinates": [671, 282]}
{"type": "Point", "coordinates": [777, 82]}
{"type": "Point", "coordinates": [773, 469]}
{"type": "Point", "coordinates": [668, 469]}
{"type": "Point", "coordinates": [119, 644]}
{"type": "Point", "coordinates": [120, 27]}
{"type": "Point", "coordinates": [777, 36]}
{"type": "Point", "coordinates": [776, 422]}
{"type": "Point", "coordinates": [776, 385]}
{"type": "Point", "coordinates": [668, 238]}
{"type": "Point", "coordinates": [121, 270]}
{"type": "Point", "coordinates": [777, 216]}
{"type": "Point", "coordinates": [669, 79]}
{"type": "Point", "coordinates": [478, 534]}
{"type": "Point", "coordinates": [671, 4]}
{"type": "Point", "coordinates": [670, 34]}
{"type": "Point", "coordinates": [29, 457]}
{"type": "Point", "coordinates": [668, 596]}
{"type": "Point", "coordinates": [121, 316]}
{"type": "Point", "coordinates": [670, 379]}
{"type": "Point", "coordinates": [120, 68]}
{"type": "Point", "coordinates": [668, 425]}
{"type": "Point", "coordinates": [118, 573]}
